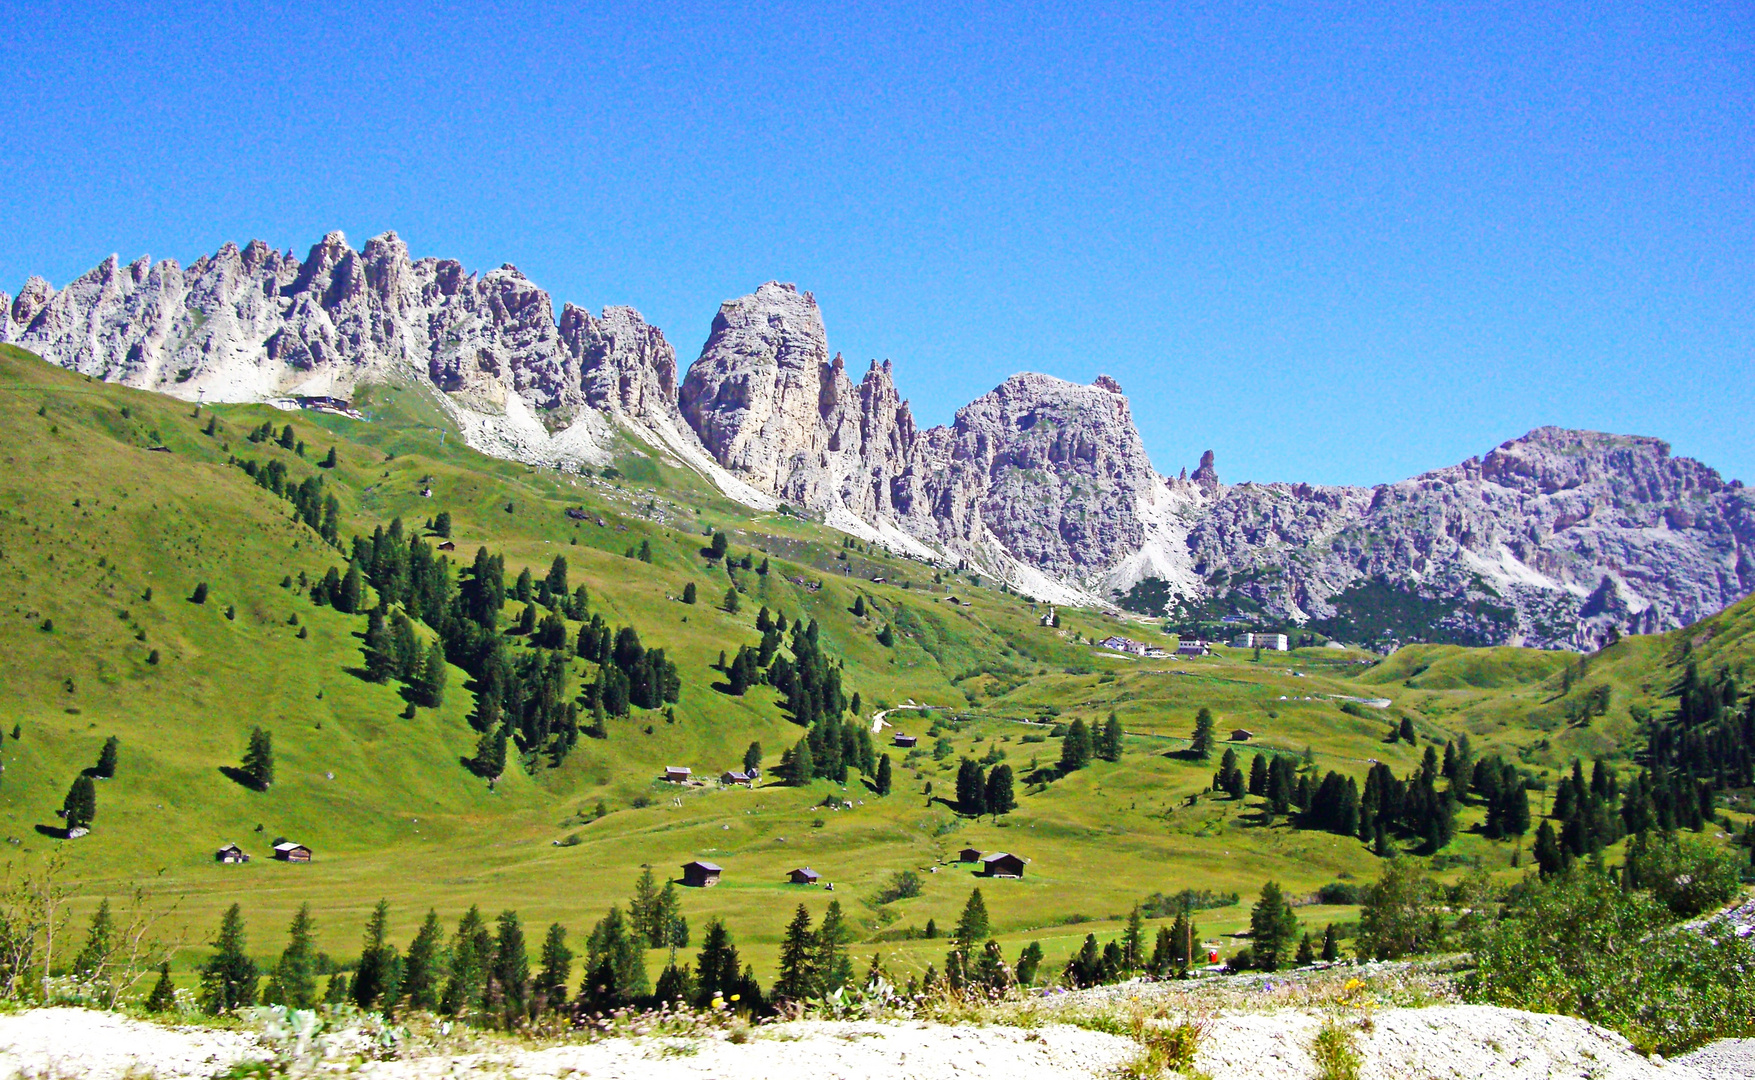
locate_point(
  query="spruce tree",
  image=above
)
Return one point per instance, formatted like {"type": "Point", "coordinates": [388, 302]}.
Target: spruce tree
{"type": "Point", "coordinates": [423, 969]}
{"type": "Point", "coordinates": [1331, 943]}
{"type": "Point", "coordinates": [199, 596]}
{"type": "Point", "coordinates": [752, 759]}
{"type": "Point", "coordinates": [471, 952]}
{"type": "Point", "coordinates": [1133, 941]}
{"type": "Point", "coordinates": [336, 993]}
{"type": "Point", "coordinates": [1272, 926]}
{"type": "Point", "coordinates": [376, 983]}
{"type": "Point", "coordinates": [797, 977]}
{"type": "Point", "coordinates": [164, 992]}
{"type": "Point", "coordinates": [293, 982]}
{"type": "Point", "coordinates": [1406, 731]}
{"type": "Point", "coordinates": [1108, 741]}
{"type": "Point", "coordinates": [1000, 798]}
{"type": "Point", "coordinates": [1075, 747]}
{"type": "Point", "coordinates": [716, 966]}
{"type": "Point", "coordinates": [834, 968]}
{"type": "Point", "coordinates": [883, 775]}
{"type": "Point", "coordinates": [1201, 744]}
{"type": "Point", "coordinates": [353, 591]}
{"type": "Point", "coordinates": [92, 963]}
{"type": "Point", "coordinates": [689, 594]}
{"type": "Point", "coordinates": [258, 764]}
{"type": "Point", "coordinates": [1550, 860]}
{"type": "Point", "coordinates": [229, 978]}
{"type": "Point", "coordinates": [719, 546]}
{"type": "Point", "coordinates": [1306, 951]}
{"type": "Point", "coordinates": [971, 789]}
{"type": "Point", "coordinates": [106, 763]}
{"type": "Point", "coordinates": [803, 767]}
{"type": "Point", "coordinates": [859, 607]}
{"type": "Point", "coordinates": [886, 637]}
{"type": "Point", "coordinates": [1258, 775]}
{"type": "Point", "coordinates": [972, 927]}
{"type": "Point", "coordinates": [731, 602]}
{"type": "Point", "coordinates": [433, 674]}
{"type": "Point", "coordinates": [80, 805]}
{"type": "Point", "coordinates": [644, 910]}
{"type": "Point", "coordinates": [511, 966]}
{"type": "Point", "coordinates": [1029, 962]}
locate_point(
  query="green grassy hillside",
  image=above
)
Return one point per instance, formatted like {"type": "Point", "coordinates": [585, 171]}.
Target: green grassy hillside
{"type": "Point", "coordinates": [104, 537]}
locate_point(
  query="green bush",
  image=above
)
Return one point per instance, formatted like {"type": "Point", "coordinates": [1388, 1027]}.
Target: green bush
{"type": "Point", "coordinates": [1687, 874]}
{"type": "Point", "coordinates": [1583, 946]}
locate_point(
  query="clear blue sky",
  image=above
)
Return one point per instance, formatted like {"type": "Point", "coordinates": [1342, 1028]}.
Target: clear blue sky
{"type": "Point", "coordinates": [1336, 243]}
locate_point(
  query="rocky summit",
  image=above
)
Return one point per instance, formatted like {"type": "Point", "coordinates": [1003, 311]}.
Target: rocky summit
{"type": "Point", "coordinates": [1560, 538]}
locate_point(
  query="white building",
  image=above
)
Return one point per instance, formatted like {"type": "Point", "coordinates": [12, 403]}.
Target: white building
{"type": "Point", "coordinates": [1275, 642]}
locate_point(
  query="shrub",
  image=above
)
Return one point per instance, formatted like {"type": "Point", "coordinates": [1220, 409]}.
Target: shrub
{"type": "Point", "coordinates": [1339, 892]}
{"type": "Point", "coordinates": [1687, 874]}
{"type": "Point", "coordinates": [903, 885]}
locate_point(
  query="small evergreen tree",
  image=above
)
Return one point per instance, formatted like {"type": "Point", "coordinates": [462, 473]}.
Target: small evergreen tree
{"type": "Point", "coordinates": [797, 959]}
{"type": "Point", "coordinates": [731, 602]}
{"type": "Point", "coordinates": [106, 762]}
{"type": "Point", "coordinates": [471, 952]}
{"type": "Point", "coordinates": [689, 594]}
{"type": "Point", "coordinates": [1306, 951]}
{"type": "Point", "coordinates": [92, 963]}
{"type": "Point", "coordinates": [258, 765]}
{"type": "Point", "coordinates": [752, 759]}
{"type": "Point", "coordinates": [1000, 798]}
{"type": "Point", "coordinates": [376, 984]}
{"type": "Point", "coordinates": [199, 596]}
{"type": "Point", "coordinates": [423, 969]}
{"type": "Point", "coordinates": [973, 925]}
{"type": "Point", "coordinates": [511, 966]}
{"type": "Point", "coordinates": [1201, 745]}
{"type": "Point", "coordinates": [442, 524]}
{"type": "Point", "coordinates": [164, 992]}
{"type": "Point", "coordinates": [1331, 943]}
{"type": "Point", "coordinates": [883, 775]}
{"type": "Point", "coordinates": [833, 967]}
{"type": "Point", "coordinates": [1108, 741]}
{"type": "Point", "coordinates": [1406, 731]}
{"type": "Point", "coordinates": [719, 546]}
{"type": "Point", "coordinates": [1272, 926]}
{"type": "Point", "coordinates": [1075, 747]}
{"type": "Point", "coordinates": [433, 675]}
{"type": "Point", "coordinates": [229, 978]}
{"type": "Point", "coordinates": [293, 982]}
{"type": "Point", "coordinates": [1029, 962]}
{"type": "Point", "coordinates": [80, 806]}
{"type": "Point", "coordinates": [859, 607]}
{"type": "Point", "coordinates": [886, 637]}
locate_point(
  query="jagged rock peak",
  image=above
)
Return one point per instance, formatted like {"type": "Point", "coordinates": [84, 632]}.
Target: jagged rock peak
{"type": "Point", "coordinates": [1207, 476]}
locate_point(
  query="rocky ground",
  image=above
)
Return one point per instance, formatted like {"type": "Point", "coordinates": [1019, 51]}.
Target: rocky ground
{"type": "Point", "coordinates": [1449, 1041]}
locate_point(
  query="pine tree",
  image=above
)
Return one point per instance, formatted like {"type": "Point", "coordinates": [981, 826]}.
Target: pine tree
{"type": "Point", "coordinates": [643, 910]}
{"type": "Point", "coordinates": [834, 968]}
{"type": "Point", "coordinates": [803, 767]}
{"type": "Point", "coordinates": [92, 963]}
{"type": "Point", "coordinates": [511, 967]}
{"type": "Point", "coordinates": [557, 966]}
{"type": "Point", "coordinates": [972, 927]}
{"type": "Point", "coordinates": [293, 982]}
{"type": "Point", "coordinates": [80, 806]}
{"type": "Point", "coordinates": [1406, 731]}
{"type": "Point", "coordinates": [1029, 962]}
{"type": "Point", "coordinates": [336, 993]}
{"type": "Point", "coordinates": [353, 591]}
{"type": "Point", "coordinates": [433, 674]}
{"type": "Point", "coordinates": [1201, 744]}
{"type": "Point", "coordinates": [1133, 941]}
{"type": "Point", "coordinates": [1306, 951]}
{"type": "Point", "coordinates": [1000, 798]}
{"type": "Point", "coordinates": [1331, 944]}
{"type": "Point", "coordinates": [689, 594]}
{"type": "Point", "coordinates": [883, 775]}
{"type": "Point", "coordinates": [258, 764]}
{"type": "Point", "coordinates": [716, 966]}
{"type": "Point", "coordinates": [1108, 741]}
{"type": "Point", "coordinates": [423, 969]}
{"type": "Point", "coordinates": [731, 602]}
{"type": "Point", "coordinates": [797, 959]}
{"type": "Point", "coordinates": [1075, 747]}
{"type": "Point", "coordinates": [1550, 860]}
{"type": "Point", "coordinates": [859, 607]}
{"type": "Point", "coordinates": [164, 992]}
{"type": "Point", "coordinates": [971, 789]}
{"type": "Point", "coordinates": [886, 637]}
{"type": "Point", "coordinates": [1272, 926]}
{"type": "Point", "coordinates": [719, 546]}
{"type": "Point", "coordinates": [106, 763]}
{"type": "Point", "coordinates": [377, 982]}
{"type": "Point", "coordinates": [471, 952]}
{"type": "Point", "coordinates": [752, 759]}
{"type": "Point", "coordinates": [229, 978]}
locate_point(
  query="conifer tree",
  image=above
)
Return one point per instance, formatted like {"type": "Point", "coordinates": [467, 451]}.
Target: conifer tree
{"type": "Point", "coordinates": [886, 637]}
{"type": "Point", "coordinates": [1331, 943]}
{"type": "Point", "coordinates": [1201, 744]}
{"type": "Point", "coordinates": [971, 789]}
{"type": "Point", "coordinates": [1133, 941]}
{"type": "Point", "coordinates": [1029, 962]}
{"type": "Point", "coordinates": [1406, 731]}
{"type": "Point", "coordinates": [442, 524]}
{"type": "Point", "coordinates": [164, 992]}
{"type": "Point", "coordinates": [258, 764]}
{"type": "Point", "coordinates": [328, 462]}
{"type": "Point", "coordinates": [336, 993]}
{"type": "Point", "coordinates": [802, 769]}
{"type": "Point", "coordinates": [1108, 741]}
{"type": "Point", "coordinates": [834, 968]}
{"type": "Point", "coordinates": [199, 596]}
{"type": "Point", "coordinates": [689, 594]}
{"type": "Point", "coordinates": [293, 982]}
{"type": "Point", "coordinates": [423, 969]}
{"type": "Point", "coordinates": [1000, 798]}
{"type": "Point", "coordinates": [511, 966]}
{"type": "Point", "coordinates": [1272, 926]}
{"type": "Point", "coordinates": [1075, 747]}
{"type": "Point", "coordinates": [731, 602]}
{"type": "Point", "coordinates": [752, 759]}
{"type": "Point", "coordinates": [1550, 860]}
{"type": "Point", "coordinates": [80, 805]}
{"type": "Point", "coordinates": [883, 775]}
{"type": "Point", "coordinates": [716, 966]}
{"type": "Point", "coordinates": [92, 963]}
{"type": "Point", "coordinates": [797, 959]}
{"type": "Point", "coordinates": [972, 927]}
{"type": "Point", "coordinates": [719, 546]}
{"type": "Point", "coordinates": [557, 967]}
{"type": "Point", "coordinates": [859, 606]}
{"type": "Point", "coordinates": [376, 984]}
{"type": "Point", "coordinates": [229, 978]}
{"type": "Point", "coordinates": [1258, 775]}
{"type": "Point", "coordinates": [1306, 951]}
{"type": "Point", "coordinates": [433, 674]}
{"type": "Point", "coordinates": [106, 763]}
{"type": "Point", "coordinates": [471, 952]}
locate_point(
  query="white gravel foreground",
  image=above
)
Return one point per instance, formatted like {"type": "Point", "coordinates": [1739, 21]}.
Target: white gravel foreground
{"type": "Point", "coordinates": [1454, 1042]}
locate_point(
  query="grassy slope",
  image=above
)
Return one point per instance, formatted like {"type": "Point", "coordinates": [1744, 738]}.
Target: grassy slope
{"type": "Point", "coordinates": [401, 818]}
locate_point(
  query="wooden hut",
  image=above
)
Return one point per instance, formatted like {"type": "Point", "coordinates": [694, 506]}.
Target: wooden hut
{"type": "Point", "coordinates": [231, 853]}
{"type": "Point", "coordinates": [700, 874]}
{"type": "Point", "coordinates": [804, 875]}
{"type": "Point", "coordinates": [906, 742]}
{"type": "Point", "coordinates": [677, 774]}
{"type": "Point", "coordinates": [1002, 864]}
{"type": "Point", "coordinates": [969, 854]}
{"type": "Point", "coordinates": [287, 851]}
{"type": "Point", "coordinates": [730, 778]}
{"type": "Point", "coordinates": [1242, 735]}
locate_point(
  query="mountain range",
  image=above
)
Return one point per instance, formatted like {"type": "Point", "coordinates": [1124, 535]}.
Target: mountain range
{"type": "Point", "coordinates": [1559, 538]}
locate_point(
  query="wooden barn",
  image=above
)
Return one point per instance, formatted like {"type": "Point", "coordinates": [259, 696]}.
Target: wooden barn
{"type": "Point", "coordinates": [969, 854]}
{"type": "Point", "coordinates": [287, 851]}
{"type": "Point", "coordinates": [1002, 864]}
{"type": "Point", "coordinates": [804, 875]}
{"type": "Point", "coordinates": [700, 874]}
{"type": "Point", "coordinates": [677, 774]}
{"type": "Point", "coordinates": [1242, 735]}
{"type": "Point", "coordinates": [906, 742]}
{"type": "Point", "coordinates": [231, 853]}
{"type": "Point", "coordinates": [730, 778]}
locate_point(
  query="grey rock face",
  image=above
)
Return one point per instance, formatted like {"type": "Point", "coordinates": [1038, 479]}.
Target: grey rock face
{"type": "Point", "coordinates": [1558, 538]}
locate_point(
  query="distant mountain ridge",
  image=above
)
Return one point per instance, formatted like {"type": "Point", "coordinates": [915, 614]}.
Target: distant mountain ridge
{"type": "Point", "coordinates": [1558, 538]}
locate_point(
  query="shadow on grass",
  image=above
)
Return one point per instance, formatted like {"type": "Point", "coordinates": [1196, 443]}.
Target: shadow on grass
{"type": "Point", "coordinates": [238, 776]}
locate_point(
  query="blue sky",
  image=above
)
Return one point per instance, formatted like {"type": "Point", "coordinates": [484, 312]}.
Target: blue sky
{"type": "Point", "coordinates": [1337, 243]}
